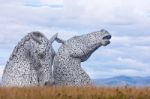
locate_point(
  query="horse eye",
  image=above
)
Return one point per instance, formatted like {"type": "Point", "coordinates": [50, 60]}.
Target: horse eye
{"type": "Point", "coordinates": [41, 56]}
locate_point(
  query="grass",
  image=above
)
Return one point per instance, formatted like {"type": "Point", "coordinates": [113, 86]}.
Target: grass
{"type": "Point", "coordinates": [75, 93]}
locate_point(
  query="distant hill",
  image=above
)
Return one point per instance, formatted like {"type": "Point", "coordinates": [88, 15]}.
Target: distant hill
{"type": "Point", "coordinates": [123, 81]}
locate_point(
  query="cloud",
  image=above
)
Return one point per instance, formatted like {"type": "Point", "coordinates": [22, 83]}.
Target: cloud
{"type": "Point", "coordinates": [55, 2]}
{"type": "Point", "coordinates": [107, 72]}
{"type": "Point", "coordinates": [133, 63]}
{"type": "Point", "coordinates": [85, 15]}
{"type": "Point", "coordinates": [131, 40]}
{"type": "Point", "coordinates": [127, 21]}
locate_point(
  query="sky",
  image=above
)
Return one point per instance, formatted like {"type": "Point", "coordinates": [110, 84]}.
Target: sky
{"type": "Point", "coordinates": [128, 21]}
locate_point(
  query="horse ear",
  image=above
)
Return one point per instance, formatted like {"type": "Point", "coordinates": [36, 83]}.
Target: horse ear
{"type": "Point", "coordinates": [104, 31]}
{"type": "Point", "coordinates": [53, 38]}
{"type": "Point", "coordinates": [59, 40]}
{"type": "Point", "coordinates": [36, 36]}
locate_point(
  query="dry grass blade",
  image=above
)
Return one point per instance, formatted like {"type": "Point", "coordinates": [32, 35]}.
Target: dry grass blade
{"type": "Point", "coordinates": [75, 93]}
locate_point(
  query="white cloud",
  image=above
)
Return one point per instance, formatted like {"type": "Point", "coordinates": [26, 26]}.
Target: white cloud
{"type": "Point", "coordinates": [127, 20]}
{"type": "Point", "coordinates": [55, 2]}
{"type": "Point", "coordinates": [110, 12]}
{"type": "Point", "coordinates": [132, 41]}
{"type": "Point", "coordinates": [129, 72]}
{"type": "Point", "coordinates": [137, 64]}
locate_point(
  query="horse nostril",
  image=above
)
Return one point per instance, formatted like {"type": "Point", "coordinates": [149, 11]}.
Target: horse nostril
{"type": "Point", "coordinates": [107, 37]}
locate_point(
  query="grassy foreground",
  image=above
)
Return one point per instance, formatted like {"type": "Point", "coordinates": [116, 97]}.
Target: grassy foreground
{"type": "Point", "coordinates": [74, 93]}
